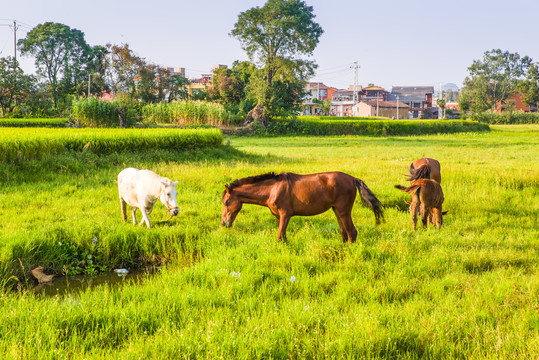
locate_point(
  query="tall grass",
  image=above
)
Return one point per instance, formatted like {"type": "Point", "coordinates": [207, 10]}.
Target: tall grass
{"type": "Point", "coordinates": [467, 291]}
{"type": "Point", "coordinates": [95, 113]}
{"type": "Point", "coordinates": [25, 144]}
{"type": "Point", "coordinates": [189, 113]}
{"type": "Point", "coordinates": [33, 122]}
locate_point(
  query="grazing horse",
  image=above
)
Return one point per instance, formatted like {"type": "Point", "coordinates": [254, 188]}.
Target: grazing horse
{"type": "Point", "coordinates": [427, 199]}
{"type": "Point", "coordinates": [141, 189]}
{"type": "Point", "coordinates": [425, 168]}
{"type": "Point", "coordinates": [288, 194]}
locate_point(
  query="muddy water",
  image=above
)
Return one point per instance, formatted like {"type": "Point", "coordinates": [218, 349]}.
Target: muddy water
{"type": "Point", "coordinates": [69, 285]}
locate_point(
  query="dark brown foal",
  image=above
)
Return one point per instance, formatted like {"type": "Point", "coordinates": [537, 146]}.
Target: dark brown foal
{"type": "Point", "coordinates": [427, 199]}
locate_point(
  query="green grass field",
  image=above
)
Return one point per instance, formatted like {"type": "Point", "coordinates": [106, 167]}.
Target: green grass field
{"type": "Point", "coordinates": [468, 291]}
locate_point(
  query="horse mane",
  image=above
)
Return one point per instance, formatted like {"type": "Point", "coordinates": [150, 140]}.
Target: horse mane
{"type": "Point", "coordinates": [252, 180]}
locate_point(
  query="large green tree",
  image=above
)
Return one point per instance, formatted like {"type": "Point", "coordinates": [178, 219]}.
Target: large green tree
{"type": "Point", "coordinates": [275, 36]}
{"type": "Point", "coordinates": [14, 84]}
{"type": "Point", "coordinates": [529, 87]}
{"type": "Point", "coordinates": [122, 66]}
{"type": "Point", "coordinates": [492, 79]}
{"type": "Point", "coordinates": [61, 55]}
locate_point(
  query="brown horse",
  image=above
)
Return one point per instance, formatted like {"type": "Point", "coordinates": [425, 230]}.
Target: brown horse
{"type": "Point", "coordinates": [425, 168]}
{"type": "Point", "coordinates": [288, 194]}
{"type": "Point", "coordinates": [427, 199]}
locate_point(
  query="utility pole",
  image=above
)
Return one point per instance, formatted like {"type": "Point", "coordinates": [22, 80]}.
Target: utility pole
{"type": "Point", "coordinates": [89, 84]}
{"type": "Point", "coordinates": [397, 107]}
{"type": "Point", "coordinates": [15, 39]}
{"type": "Point", "coordinates": [355, 67]}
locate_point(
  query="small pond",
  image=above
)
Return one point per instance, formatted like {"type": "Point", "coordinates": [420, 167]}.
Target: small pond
{"type": "Point", "coordinates": [69, 285]}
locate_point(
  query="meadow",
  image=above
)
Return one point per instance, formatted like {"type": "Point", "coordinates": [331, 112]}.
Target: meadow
{"type": "Point", "coordinates": [467, 291]}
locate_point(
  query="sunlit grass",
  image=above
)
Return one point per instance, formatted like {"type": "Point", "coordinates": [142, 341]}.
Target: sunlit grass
{"type": "Point", "coordinates": [469, 290]}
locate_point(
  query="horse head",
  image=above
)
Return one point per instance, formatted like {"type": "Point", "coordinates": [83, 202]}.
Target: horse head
{"type": "Point", "coordinates": [168, 195]}
{"type": "Point", "coordinates": [231, 206]}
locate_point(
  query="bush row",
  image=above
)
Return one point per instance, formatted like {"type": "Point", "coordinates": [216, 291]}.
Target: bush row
{"type": "Point", "coordinates": [371, 127]}
{"type": "Point", "coordinates": [512, 118]}
{"type": "Point", "coordinates": [340, 118]}
{"type": "Point", "coordinates": [189, 112]}
{"type": "Point", "coordinates": [14, 122]}
{"type": "Point", "coordinates": [20, 144]}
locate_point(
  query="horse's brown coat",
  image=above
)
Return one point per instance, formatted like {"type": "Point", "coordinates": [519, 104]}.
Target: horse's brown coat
{"type": "Point", "coordinates": [289, 194]}
{"type": "Point", "coordinates": [427, 199]}
{"type": "Point", "coordinates": [425, 168]}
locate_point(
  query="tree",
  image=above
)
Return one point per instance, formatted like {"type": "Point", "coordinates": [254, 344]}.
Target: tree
{"type": "Point", "coordinates": [274, 36]}
{"type": "Point", "coordinates": [177, 88]}
{"type": "Point", "coordinates": [493, 79]}
{"type": "Point", "coordinates": [529, 88]}
{"type": "Point", "coordinates": [14, 84]}
{"type": "Point", "coordinates": [121, 68]}
{"type": "Point", "coordinates": [61, 55]}
{"type": "Point", "coordinates": [441, 105]}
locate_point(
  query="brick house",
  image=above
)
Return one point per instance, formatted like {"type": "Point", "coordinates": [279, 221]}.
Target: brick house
{"type": "Point", "coordinates": [418, 98]}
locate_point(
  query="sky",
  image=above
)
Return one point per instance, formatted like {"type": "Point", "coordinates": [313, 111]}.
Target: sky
{"type": "Point", "coordinates": [395, 42]}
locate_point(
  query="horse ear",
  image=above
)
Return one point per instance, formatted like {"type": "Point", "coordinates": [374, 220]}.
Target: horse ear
{"type": "Point", "coordinates": [227, 189]}
{"type": "Point", "coordinates": [444, 212]}
{"type": "Point", "coordinates": [175, 183]}
{"type": "Point", "coordinates": [408, 202]}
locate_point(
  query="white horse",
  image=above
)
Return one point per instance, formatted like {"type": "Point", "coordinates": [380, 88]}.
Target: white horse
{"type": "Point", "coordinates": [141, 189]}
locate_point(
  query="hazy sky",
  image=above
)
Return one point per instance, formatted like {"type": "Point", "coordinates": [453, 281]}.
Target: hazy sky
{"type": "Point", "coordinates": [396, 42]}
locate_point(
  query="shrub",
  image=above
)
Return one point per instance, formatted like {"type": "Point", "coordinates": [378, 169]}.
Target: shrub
{"type": "Point", "coordinates": [507, 118]}
{"type": "Point", "coordinates": [310, 126]}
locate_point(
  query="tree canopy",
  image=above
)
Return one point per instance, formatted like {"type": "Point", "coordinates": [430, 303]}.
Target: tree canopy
{"type": "Point", "coordinates": [61, 54]}
{"type": "Point", "coordinates": [529, 87]}
{"type": "Point", "coordinates": [14, 84]}
{"type": "Point", "coordinates": [492, 79]}
{"type": "Point", "coordinates": [274, 36]}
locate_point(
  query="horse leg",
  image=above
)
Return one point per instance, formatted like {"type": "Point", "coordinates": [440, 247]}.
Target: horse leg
{"type": "Point", "coordinates": [350, 228]}
{"type": "Point", "coordinates": [344, 235]}
{"type": "Point", "coordinates": [122, 207]}
{"type": "Point", "coordinates": [133, 215]}
{"type": "Point", "coordinates": [346, 217]}
{"type": "Point", "coordinates": [145, 218]}
{"type": "Point", "coordinates": [283, 223]}
{"type": "Point", "coordinates": [424, 215]}
{"type": "Point", "coordinates": [414, 209]}
{"type": "Point", "coordinates": [437, 217]}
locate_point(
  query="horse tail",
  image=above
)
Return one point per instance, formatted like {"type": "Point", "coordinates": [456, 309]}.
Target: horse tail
{"type": "Point", "coordinates": [422, 172]}
{"type": "Point", "coordinates": [370, 199]}
{"type": "Point", "coordinates": [410, 189]}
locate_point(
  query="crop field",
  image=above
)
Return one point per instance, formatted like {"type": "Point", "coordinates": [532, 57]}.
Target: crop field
{"type": "Point", "coordinates": [467, 291]}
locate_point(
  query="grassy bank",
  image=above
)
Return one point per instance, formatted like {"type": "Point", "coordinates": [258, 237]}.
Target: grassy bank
{"type": "Point", "coordinates": [30, 143]}
{"type": "Point", "coordinates": [469, 290]}
{"type": "Point", "coordinates": [38, 122]}
{"type": "Point", "coordinates": [354, 126]}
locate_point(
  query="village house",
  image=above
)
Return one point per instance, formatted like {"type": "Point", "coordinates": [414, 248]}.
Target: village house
{"type": "Point", "coordinates": [382, 108]}
{"type": "Point", "coordinates": [418, 98]}
{"type": "Point", "coordinates": [342, 102]}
